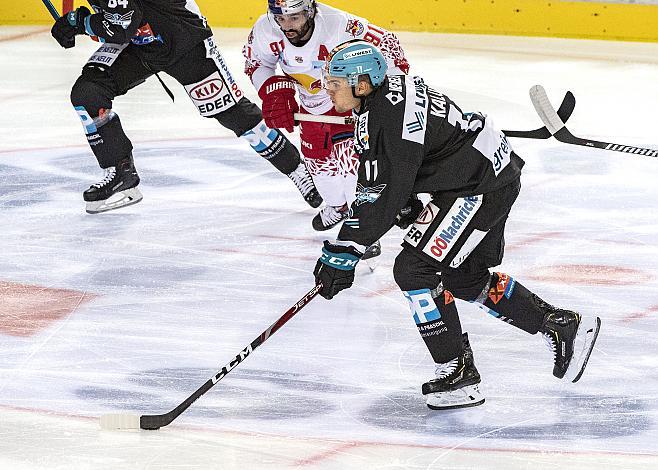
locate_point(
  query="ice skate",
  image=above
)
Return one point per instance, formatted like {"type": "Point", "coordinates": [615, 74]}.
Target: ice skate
{"type": "Point", "coordinates": [329, 217]}
{"type": "Point", "coordinates": [117, 189]}
{"type": "Point", "coordinates": [372, 251]}
{"type": "Point", "coordinates": [571, 338]}
{"type": "Point", "coordinates": [302, 179]}
{"type": "Point", "coordinates": [456, 383]}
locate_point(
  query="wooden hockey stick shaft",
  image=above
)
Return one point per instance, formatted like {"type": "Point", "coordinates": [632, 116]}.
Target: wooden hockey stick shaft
{"type": "Point", "coordinates": [566, 108]}
{"type": "Point", "coordinates": [558, 129]}
{"type": "Point", "coordinates": [130, 421]}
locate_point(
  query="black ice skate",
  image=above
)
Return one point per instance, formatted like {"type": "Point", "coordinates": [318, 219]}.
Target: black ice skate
{"type": "Point", "coordinates": [117, 189]}
{"type": "Point", "coordinates": [302, 179]}
{"type": "Point", "coordinates": [571, 338]}
{"type": "Point", "coordinates": [456, 383]}
{"type": "Point", "coordinates": [372, 251]}
{"type": "Point", "coordinates": [329, 217]}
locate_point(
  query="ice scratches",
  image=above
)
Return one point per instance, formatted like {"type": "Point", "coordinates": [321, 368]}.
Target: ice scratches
{"type": "Point", "coordinates": [245, 394]}
{"type": "Point", "coordinates": [564, 417]}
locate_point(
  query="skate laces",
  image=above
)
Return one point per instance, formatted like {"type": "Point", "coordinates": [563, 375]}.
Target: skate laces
{"type": "Point", "coordinates": [551, 343]}
{"type": "Point", "coordinates": [330, 215]}
{"type": "Point", "coordinates": [443, 370]}
{"type": "Point", "coordinates": [302, 179]}
{"type": "Point", "coordinates": [110, 173]}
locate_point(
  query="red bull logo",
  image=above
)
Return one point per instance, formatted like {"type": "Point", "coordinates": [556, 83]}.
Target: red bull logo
{"type": "Point", "coordinates": [355, 28]}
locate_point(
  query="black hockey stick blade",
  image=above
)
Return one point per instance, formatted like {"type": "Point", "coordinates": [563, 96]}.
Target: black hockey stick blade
{"type": "Point", "coordinates": [557, 127]}
{"type": "Point", "coordinates": [565, 111]}
{"type": "Point", "coordinates": [125, 421]}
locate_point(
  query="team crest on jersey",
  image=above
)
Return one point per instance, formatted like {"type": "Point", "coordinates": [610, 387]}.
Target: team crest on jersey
{"type": "Point", "coordinates": [368, 194]}
{"type": "Point", "coordinates": [119, 19]}
{"type": "Point", "coordinates": [145, 35]}
{"type": "Point", "coordinates": [354, 27]}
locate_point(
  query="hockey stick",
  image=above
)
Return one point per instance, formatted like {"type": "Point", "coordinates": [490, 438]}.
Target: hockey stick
{"type": "Point", "coordinates": [565, 111]}
{"type": "Point", "coordinates": [557, 127]}
{"type": "Point", "coordinates": [130, 421]}
{"type": "Point", "coordinates": [51, 8]}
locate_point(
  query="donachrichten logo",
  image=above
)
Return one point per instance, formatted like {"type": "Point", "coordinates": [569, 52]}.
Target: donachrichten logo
{"type": "Point", "coordinates": [452, 226]}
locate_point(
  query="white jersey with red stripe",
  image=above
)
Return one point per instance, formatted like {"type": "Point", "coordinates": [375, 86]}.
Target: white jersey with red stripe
{"type": "Point", "coordinates": [268, 47]}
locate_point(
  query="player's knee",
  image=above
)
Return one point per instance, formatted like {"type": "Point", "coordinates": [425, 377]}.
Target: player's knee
{"type": "Point", "coordinates": [466, 285]}
{"type": "Point", "coordinates": [240, 118]}
{"type": "Point", "coordinates": [411, 273]}
{"type": "Point", "coordinates": [85, 94]}
{"type": "Point", "coordinates": [402, 274]}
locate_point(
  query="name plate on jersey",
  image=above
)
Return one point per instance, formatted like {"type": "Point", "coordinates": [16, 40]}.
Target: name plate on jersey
{"type": "Point", "coordinates": [107, 54]}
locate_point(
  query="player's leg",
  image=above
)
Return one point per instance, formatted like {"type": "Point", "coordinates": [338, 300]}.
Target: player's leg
{"type": "Point", "coordinates": [570, 335]}
{"type": "Point", "coordinates": [435, 313]}
{"type": "Point", "coordinates": [216, 94]}
{"type": "Point", "coordinates": [111, 71]}
{"type": "Point", "coordinates": [330, 158]}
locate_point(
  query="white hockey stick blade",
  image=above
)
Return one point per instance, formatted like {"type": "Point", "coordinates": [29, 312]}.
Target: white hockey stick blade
{"type": "Point", "coordinates": [545, 109]}
{"type": "Point", "coordinates": [119, 421]}
{"type": "Point", "coordinates": [321, 118]}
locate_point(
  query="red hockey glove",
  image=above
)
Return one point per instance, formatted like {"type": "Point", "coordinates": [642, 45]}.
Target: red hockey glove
{"type": "Point", "coordinates": [279, 105]}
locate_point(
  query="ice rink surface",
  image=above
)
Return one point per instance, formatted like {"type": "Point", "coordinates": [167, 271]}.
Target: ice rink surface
{"type": "Point", "coordinates": [132, 310]}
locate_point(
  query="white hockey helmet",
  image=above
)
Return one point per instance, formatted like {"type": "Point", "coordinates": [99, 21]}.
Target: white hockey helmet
{"type": "Point", "coordinates": [288, 7]}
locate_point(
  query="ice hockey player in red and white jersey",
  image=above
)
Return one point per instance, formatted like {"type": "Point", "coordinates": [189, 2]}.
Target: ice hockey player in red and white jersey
{"type": "Point", "coordinates": [296, 36]}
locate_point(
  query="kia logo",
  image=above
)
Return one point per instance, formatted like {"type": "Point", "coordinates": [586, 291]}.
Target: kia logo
{"type": "Point", "coordinates": [207, 90]}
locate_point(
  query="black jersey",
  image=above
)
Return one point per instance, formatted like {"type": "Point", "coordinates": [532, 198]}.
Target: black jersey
{"type": "Point", "coordinates": [163, 29]}
{"type": "Point", "coordinates": [413, 139]}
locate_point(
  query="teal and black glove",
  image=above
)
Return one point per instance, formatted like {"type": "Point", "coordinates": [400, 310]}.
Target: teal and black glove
{"type": "Point", "coordinates": [335, 268]}
{"type": "Point", "coordinates": [66, 27]}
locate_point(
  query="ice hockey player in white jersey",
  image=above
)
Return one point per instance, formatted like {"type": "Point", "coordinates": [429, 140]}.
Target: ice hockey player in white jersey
{"type": "Point", "coordinates": [296, 36]}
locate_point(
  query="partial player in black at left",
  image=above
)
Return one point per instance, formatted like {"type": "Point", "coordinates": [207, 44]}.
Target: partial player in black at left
{"type": "Point", "coordinates": [413, 139]}
{"type": "Point", "coordinates": [140, 38]}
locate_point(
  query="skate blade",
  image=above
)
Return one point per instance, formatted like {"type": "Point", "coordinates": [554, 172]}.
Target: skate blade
{"type": "Point", "coordinates": [464, 397]}
{"type": "Point", "coordinates": [588, 332]}
{"type": "Point", "coordinates": [121, 199]}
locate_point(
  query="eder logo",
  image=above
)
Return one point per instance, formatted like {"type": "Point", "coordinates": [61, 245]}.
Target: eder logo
{"type": "Point", "coordinates": [207, 90]}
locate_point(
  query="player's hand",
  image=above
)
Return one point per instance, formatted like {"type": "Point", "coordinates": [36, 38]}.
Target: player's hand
{"type": "Point", "coordinates": [410, 212]}
{"type": "Point", "coordinates": [335, 268]}
{"type": "Point", "coordinates": [63, 32]}
{"type": "Point", "coordinates": [279, 105]}
{"type": "Point", "coordinates": [67, 26]}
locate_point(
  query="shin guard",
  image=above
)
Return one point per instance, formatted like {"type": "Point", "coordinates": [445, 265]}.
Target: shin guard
{"type": "Point", "coordinates": [437, 320]}
{"type": "Point", "coordinates": [506, 299]}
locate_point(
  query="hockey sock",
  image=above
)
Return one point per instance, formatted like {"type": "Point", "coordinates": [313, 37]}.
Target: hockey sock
{"type": "Point", "coordinates": [105, 136]}
{"type": "Point", "coordinates": [274, 147]}
{"type": "Point", "coordinates": [437, 320]}
{"type": "Point", "coordinates": [506, 299]}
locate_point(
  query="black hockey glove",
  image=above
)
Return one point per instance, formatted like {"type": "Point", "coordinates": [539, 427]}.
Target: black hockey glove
{"type": "Point", "coordinates": [67, 26]}
{"type": "Point", "coordinates": [335, 268]}
{"type": "Point", "coordinates": [410, 212]}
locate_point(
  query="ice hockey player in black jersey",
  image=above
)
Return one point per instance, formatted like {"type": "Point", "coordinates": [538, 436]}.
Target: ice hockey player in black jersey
{"type": "Point", "coordinates": [138, 39]}
{"type": "Point", "coordinates": [413, 139]}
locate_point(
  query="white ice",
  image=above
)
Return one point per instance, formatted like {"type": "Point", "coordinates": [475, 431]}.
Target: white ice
{"type": "Point", "coordinates": [222, 245]}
